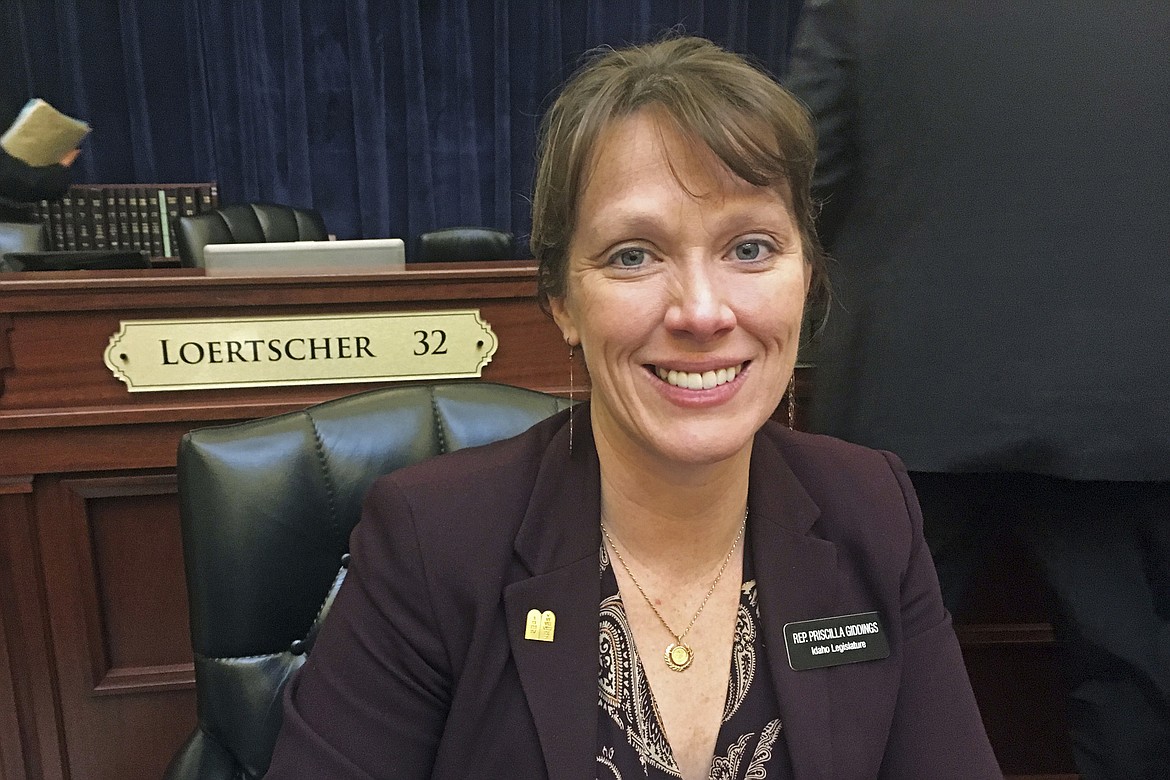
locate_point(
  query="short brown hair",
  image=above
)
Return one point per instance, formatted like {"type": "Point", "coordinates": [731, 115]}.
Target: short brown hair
{"type": "Point", "coordinates": [757, 128]}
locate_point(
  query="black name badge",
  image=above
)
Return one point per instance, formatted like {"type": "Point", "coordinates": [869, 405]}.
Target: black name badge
{"type": "Point", "coordinates": [832, 641]}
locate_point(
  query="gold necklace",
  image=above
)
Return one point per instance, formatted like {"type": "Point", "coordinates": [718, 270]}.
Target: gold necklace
{"type": "Point", "coordinates": [679, 654]}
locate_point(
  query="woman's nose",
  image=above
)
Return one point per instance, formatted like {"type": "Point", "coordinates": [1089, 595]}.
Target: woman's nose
{"type": "Point", "coordinates": [700, 306]}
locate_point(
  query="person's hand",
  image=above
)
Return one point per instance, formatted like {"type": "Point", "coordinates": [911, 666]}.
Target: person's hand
{"type": "Point", "coordinates": [69, 157]}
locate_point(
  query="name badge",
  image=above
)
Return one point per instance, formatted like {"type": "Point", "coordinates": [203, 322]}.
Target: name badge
{"type": "Point", "coordinates": [832, 641]}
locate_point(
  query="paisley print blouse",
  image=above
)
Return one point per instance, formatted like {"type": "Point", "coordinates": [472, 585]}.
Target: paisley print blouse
{"type": "Point", "coordinates": [631, 742]}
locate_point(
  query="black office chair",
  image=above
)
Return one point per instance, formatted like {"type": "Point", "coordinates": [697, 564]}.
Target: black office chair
{"type": "Point", "coordinates": [249, 223]}
{"type": "Point", "coordinates": [266, 510]}
{"type": "Point", "coordinates": [464, 243]}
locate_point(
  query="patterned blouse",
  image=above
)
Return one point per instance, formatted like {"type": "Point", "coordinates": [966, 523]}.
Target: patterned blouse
{"type": "Point", "coordinates": [631, 742]}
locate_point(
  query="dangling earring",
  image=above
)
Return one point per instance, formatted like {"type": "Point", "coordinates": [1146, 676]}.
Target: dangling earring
{"type": "Point", "coordinates": [792, 401]}
{"type": "Point", "coordinates": [571, 392]}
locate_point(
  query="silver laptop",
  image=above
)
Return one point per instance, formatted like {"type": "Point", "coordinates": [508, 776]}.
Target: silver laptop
{"type": "Point", "coordinates": [366, 255]}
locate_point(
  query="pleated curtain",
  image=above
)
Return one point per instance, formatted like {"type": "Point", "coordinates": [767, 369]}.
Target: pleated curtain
{"type": "Point", "coordinates": [391, 118]}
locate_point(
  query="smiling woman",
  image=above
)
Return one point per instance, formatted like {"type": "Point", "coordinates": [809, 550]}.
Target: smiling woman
{"type": "Point", "coordinates": [673, 227]}
{"type": "Point", "coordinates": [680, 268]}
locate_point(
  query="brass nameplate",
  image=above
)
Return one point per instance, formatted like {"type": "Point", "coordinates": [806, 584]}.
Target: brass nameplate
{"type": "Point", "coordinates": [199, 354]}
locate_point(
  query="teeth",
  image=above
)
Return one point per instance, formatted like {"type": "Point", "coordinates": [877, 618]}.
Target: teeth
{"type": "Point", "coordinates": [703, 381]}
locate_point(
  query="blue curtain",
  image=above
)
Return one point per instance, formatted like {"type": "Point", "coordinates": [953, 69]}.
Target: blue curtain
{"type": "Point", "coordinates": [392, 118]}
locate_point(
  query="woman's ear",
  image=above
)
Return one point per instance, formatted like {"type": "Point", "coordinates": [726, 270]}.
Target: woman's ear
{"type": "Point", "coordinates": [564, 320]}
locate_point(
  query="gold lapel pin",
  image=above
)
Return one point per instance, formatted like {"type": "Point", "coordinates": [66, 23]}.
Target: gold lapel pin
{"type": "Point", "coordinates": [540, 626]}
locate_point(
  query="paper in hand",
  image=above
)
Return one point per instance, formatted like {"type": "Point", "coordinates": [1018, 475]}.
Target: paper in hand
{"type": "Point", "coordinates": [41, 135]}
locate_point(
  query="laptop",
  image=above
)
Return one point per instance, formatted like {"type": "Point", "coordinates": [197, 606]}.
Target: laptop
{"type": "Point", "coordinates": [357, 256]}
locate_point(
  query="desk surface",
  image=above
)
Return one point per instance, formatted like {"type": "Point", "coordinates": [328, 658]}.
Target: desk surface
{"type": "Point", "coordinates": [29, 291]}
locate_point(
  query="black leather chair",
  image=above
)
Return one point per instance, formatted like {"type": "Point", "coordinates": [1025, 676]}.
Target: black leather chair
{"type": "Point", "coordinates": [464, 243]}
{"type": "Point", "coordinates": [266, 510]}
{"type": "Point", "coordinates": [249, 223]}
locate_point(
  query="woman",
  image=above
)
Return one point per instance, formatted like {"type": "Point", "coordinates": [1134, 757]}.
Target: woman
{"type": "Point", "coordinates": [767, 607]}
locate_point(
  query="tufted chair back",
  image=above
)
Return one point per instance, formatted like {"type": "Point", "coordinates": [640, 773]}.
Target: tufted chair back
{"type": "Point", "coordinates": [249, 223]}
{"type": "Point", "coordinates": [266, 510]}
{"type": "Point", "coordinates": [464, 243]}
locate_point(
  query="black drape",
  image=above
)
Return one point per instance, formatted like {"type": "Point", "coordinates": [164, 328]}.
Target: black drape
{"type": "Point", "coordinates": [391, 118]}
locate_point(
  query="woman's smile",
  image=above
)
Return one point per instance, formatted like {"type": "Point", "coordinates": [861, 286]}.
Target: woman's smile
{"type": "Point", "coordinates": [698, 380]}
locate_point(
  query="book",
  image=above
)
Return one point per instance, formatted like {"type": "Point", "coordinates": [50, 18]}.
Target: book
{"type": "Point", "coordinates": [164, 225]}
{"type": "Point", "coordinates": [113, 234]}
{"type": "Point", "coordinates": [57, 226]}
{"type": "Point", "coordinates": [188, 205]}
{"type": "Point", "coordinates": [136, 221]}
{"type": "Point", "coordinates": [155, 207]}
{"type": "Point", "coordinates": [41, 135]}
{"type": "Point", "coordinates": [82, 219]}
{"type": "Point", "coordinates": [97, 213]}
{"type": "Point", "coordinates": [170, 243]}
{"type": "Point", "coordinates": [70, 231]}
{"type": "Point", "coordinates": [125, 236]}
{"type": "Point", "coordinates": [207, 197]}
{"type": "Point", "coordinates": [122, 216]}
{"type": "Point", "coordinates": [143, 201]}
{"type": "Point", "coordinates": [41, 213]}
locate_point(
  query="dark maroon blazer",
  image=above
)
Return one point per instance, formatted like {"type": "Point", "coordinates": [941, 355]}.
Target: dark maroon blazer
{"type": "Point", "coordinates": [422, 669]}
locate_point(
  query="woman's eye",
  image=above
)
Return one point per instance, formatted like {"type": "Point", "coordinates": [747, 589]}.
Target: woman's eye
{"type": "Point", "coordinates": [630, 258]}
{"type": "Point", "coordinates": [748, 250]}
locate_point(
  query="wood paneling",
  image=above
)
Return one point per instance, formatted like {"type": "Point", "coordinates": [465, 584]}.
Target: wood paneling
{"type": "Point", "coordinates": [30, 733]}
{"type": "Point", "coordinates": [132, 581]}
{"type": "Point", "coordinates": [11, 741]}
{"type": "Point", "coordinates": [122, 657]}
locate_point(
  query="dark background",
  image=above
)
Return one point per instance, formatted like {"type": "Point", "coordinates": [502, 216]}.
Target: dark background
{"type": "Point", "coordinates": [391, 118]}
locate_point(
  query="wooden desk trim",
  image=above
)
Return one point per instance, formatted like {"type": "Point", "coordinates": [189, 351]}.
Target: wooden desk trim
{"type": "Point", "coordinates": [148, 288]}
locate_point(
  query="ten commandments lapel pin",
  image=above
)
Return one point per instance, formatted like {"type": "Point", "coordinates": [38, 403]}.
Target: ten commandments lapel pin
{"type": "Point", "coordinates": [540, 625]}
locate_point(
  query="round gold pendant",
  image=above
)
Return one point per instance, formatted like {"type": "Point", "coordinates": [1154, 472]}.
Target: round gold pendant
{"type": "Point", "coordinates": [679, 657]}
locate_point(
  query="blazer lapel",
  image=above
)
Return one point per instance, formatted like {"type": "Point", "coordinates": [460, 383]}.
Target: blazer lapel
{"type": "Point", "coordinates": [559, 544]}
{"type": "Point", "coordinates": [795, 580]}
{"type": "Point", "coordinates": [560, 677]}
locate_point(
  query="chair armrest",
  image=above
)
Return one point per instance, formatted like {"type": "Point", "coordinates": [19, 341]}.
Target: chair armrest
{"type": "Point", "coordinates": [203, 758]}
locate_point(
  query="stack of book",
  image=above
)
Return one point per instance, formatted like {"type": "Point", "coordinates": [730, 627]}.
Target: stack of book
{"type": "Point", "coordinates": [124, 216]}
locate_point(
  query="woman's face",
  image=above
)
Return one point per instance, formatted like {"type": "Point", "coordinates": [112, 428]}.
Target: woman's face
{"type": "Point", "coordinates": [685, 289]}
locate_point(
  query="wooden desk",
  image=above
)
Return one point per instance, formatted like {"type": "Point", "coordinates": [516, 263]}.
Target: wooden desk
{"type": "Point", "coordinates": [96, 677]}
